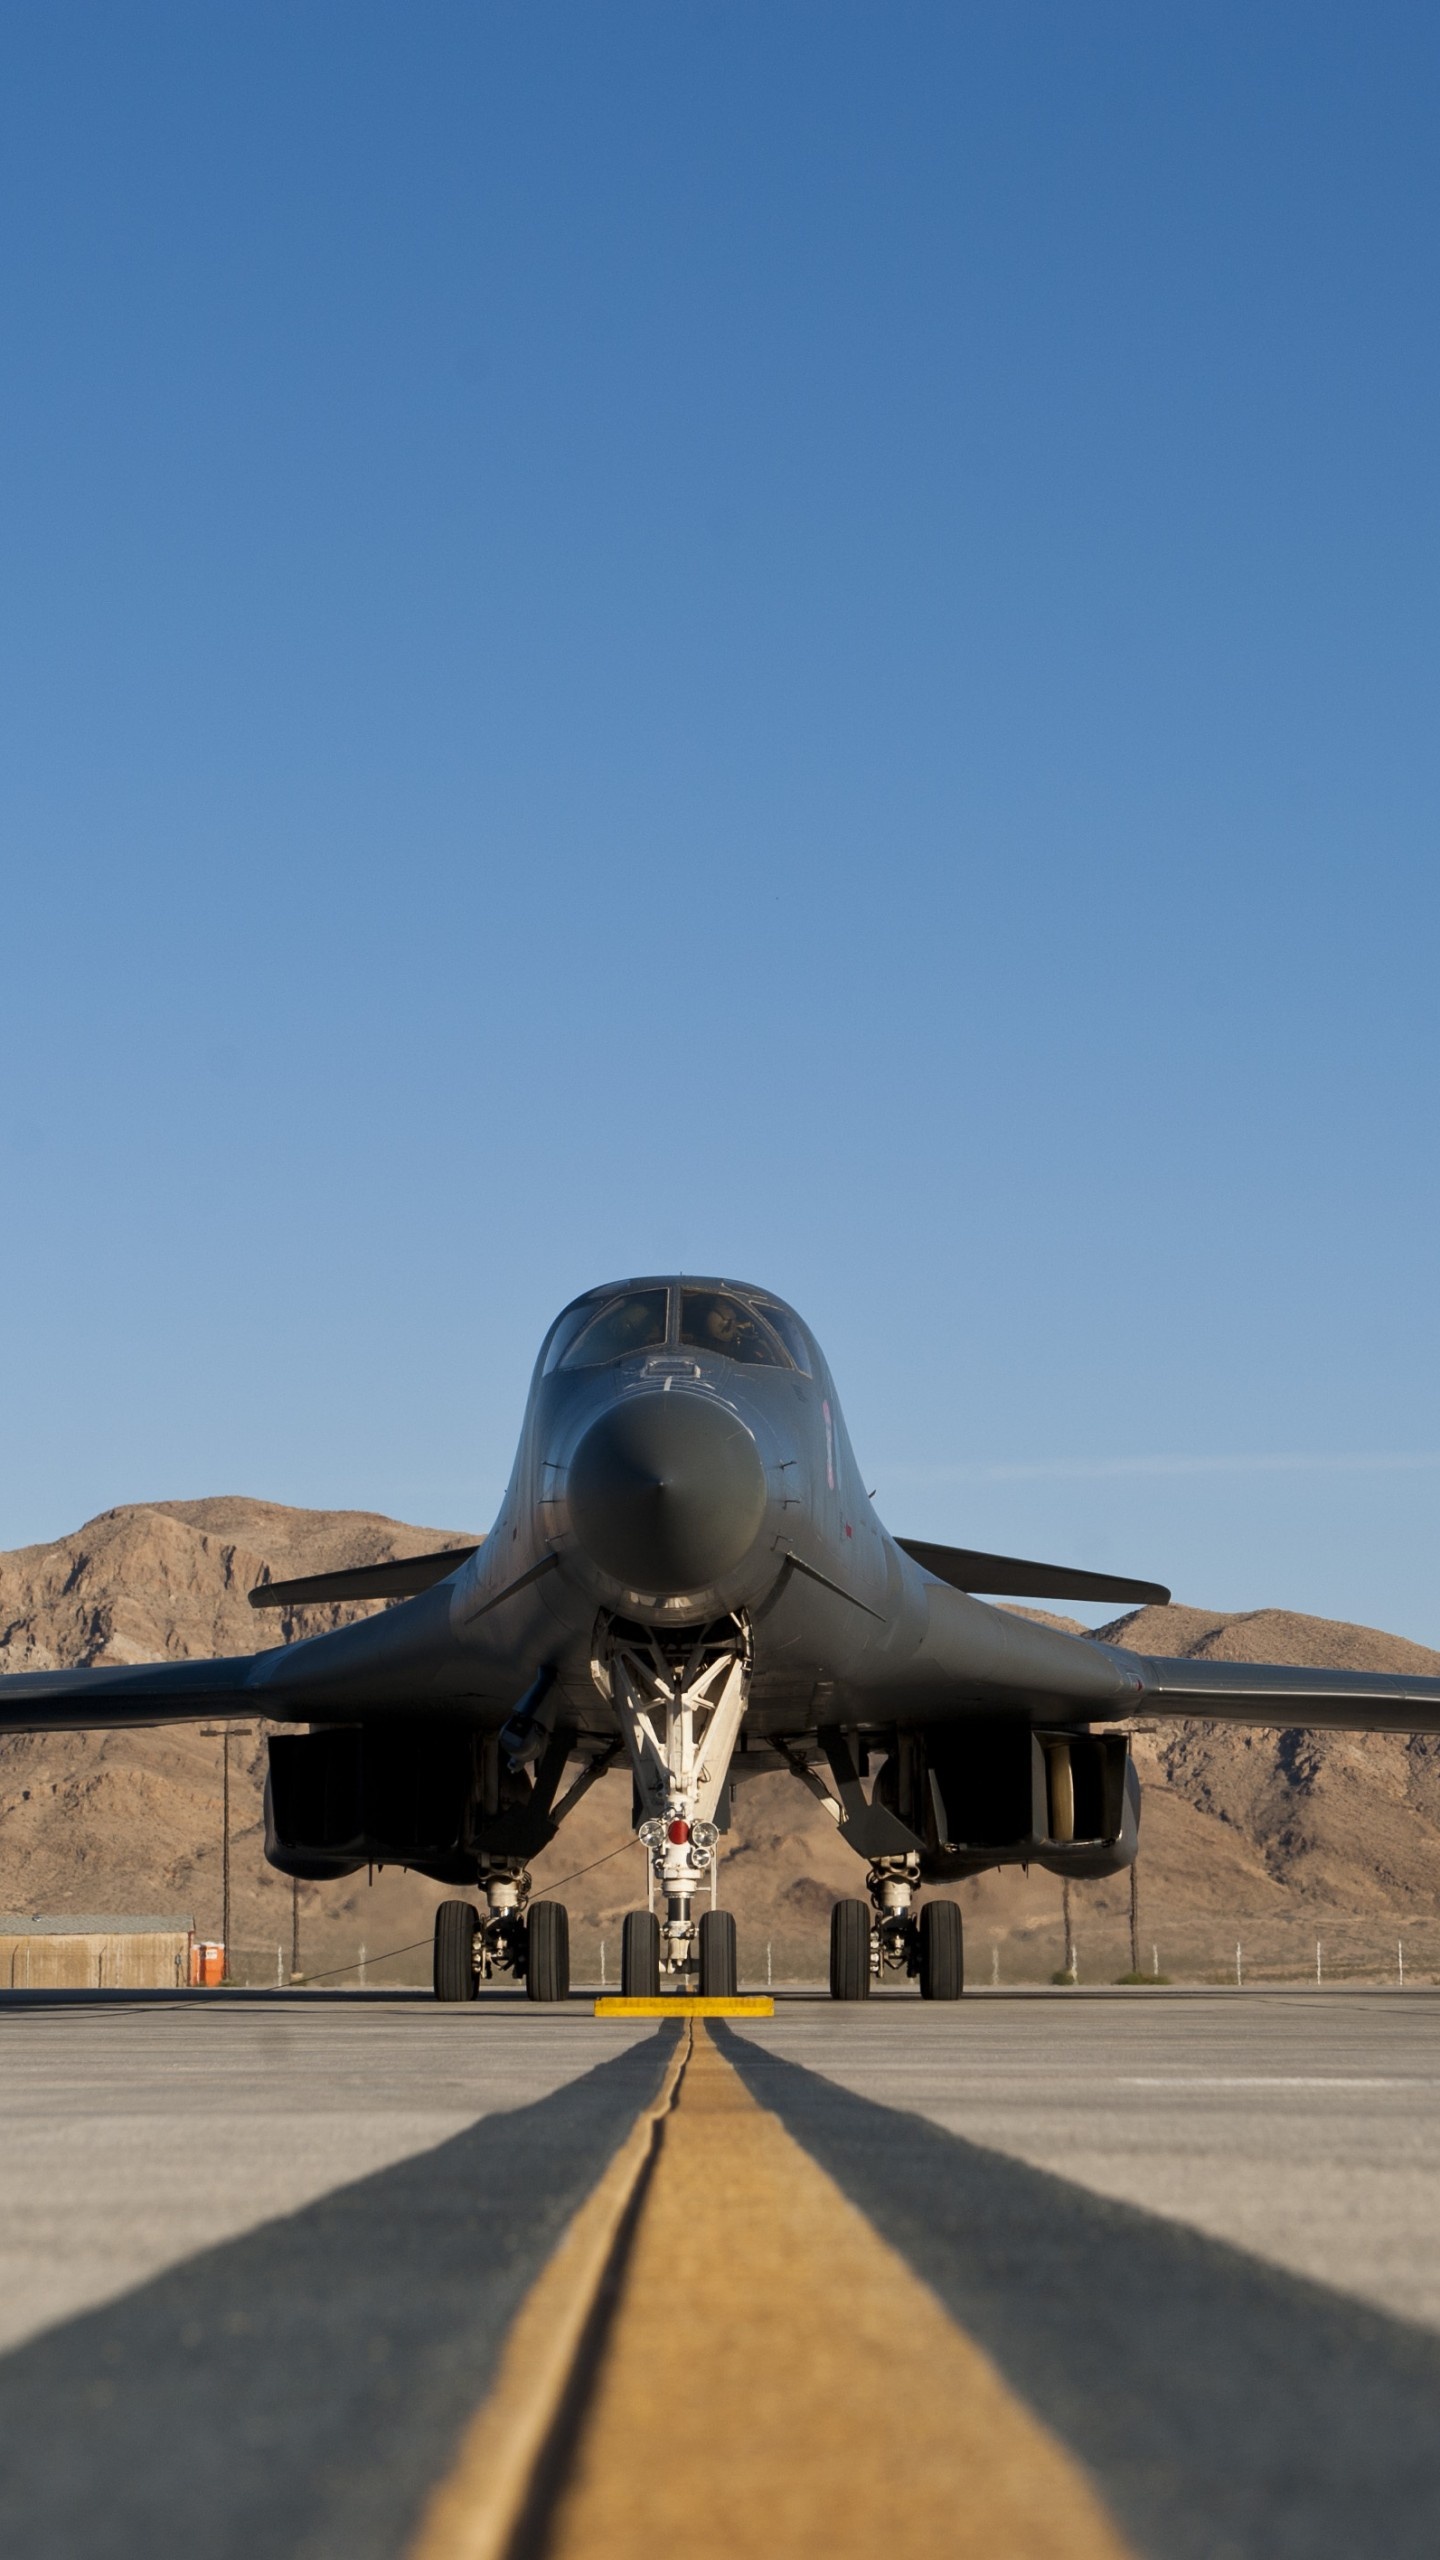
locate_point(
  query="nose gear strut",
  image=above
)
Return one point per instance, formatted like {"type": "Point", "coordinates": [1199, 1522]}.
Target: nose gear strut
{"type": "Point", "coordinates": [680, 1697]}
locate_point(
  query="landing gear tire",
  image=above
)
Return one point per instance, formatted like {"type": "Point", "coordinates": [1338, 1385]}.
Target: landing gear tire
{"type": "Point", "coordinates": [719, 1959]}
{"type": "Point", "coordinates": [850, 1951]}
{"type": "Point", "coordinates": [457, 1926]}
{"type": "Point", "coordinates": [640, 1956]}
{"type": "Point", "coordinates": [942, 1951]}
{"type": "Point", "coordinates": [547, 1952]}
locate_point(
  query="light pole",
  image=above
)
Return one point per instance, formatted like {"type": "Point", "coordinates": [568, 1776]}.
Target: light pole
{"type": "Point", "coordinates": [223, 1731]}
{"type": "Point", "coordinates": [225, 1858]}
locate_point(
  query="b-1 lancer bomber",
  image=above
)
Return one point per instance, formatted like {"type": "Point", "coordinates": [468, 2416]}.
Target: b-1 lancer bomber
{"type": "Point", "coordinates": [687, 1575]}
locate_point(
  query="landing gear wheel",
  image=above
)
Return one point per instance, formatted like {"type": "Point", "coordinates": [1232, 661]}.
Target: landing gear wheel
{"type": "Point", "coordinates": [850, 1951]}
{"type": "Point", "coordinates": [457, 1926]}
{"type": "Point", "coordinates": [942, 1951]}
{"type": "Point", "coordinates": [547, 1952]}
{"type": "Point", "coordinates": [719, 1961]}
{"type": "Point", "coordinates": [640, 1956]}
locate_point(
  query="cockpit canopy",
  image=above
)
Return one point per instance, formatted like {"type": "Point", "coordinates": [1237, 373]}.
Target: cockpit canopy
{"type": "Point", "coordinates": [635, 1322]}
{"type": "Point", "coordinates": [728, 1323]}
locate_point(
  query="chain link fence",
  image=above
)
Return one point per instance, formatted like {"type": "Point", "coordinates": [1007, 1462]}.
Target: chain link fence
{"type": "Point", "coordinates": [1241, 1950]}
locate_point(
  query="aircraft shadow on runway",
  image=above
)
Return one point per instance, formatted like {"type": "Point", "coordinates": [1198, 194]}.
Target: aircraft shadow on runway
{"type": "Point", "coordinates": [296, 2392]}
{"type": "Point", "coordinates": [1226, 2409]}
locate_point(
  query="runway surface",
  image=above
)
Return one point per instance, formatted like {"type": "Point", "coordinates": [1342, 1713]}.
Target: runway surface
{"type": "Point", "coordinates": [1302, 2126]}
{"type": "Point", "coordinates": [260, 2257]}
{"type": "Point", "coordinates": [136, 2133]}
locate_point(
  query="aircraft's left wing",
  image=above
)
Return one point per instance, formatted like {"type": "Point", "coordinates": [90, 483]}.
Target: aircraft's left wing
{"type": "Point", "coordinates": [128, 1694]}
{"type": "Point", "coordinates": [1272, 1693]}
{"type": "Point", "coordinates": [1017, 1578]}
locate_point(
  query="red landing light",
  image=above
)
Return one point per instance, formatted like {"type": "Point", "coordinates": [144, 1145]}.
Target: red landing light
{"type": "Point", "coordinates": [678, 1831]}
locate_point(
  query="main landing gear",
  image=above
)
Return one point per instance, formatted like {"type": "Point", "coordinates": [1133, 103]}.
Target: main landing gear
{"type": "Point", "coordinates": [528, 1939]}
{"type": "Point", "coordinates": [680, 1698]}
{"type": "Point", "coordinates": [887, 1934]}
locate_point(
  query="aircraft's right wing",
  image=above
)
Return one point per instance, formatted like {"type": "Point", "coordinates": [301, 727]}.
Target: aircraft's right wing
{"type": "Point", "coordinates": [118, 1694]}
{"type": "Point", "coordinates": [1273, 1693]}
{"type": "Point", "coordinates": [398, 1578]}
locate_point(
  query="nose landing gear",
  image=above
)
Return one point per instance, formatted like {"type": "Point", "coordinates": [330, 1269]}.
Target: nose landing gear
{"type": "Point", "coordinates": [680, 1701]}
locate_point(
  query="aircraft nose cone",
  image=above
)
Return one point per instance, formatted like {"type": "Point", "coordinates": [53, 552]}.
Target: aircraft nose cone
{"type": "Point", "coordinates": [667, 1492]}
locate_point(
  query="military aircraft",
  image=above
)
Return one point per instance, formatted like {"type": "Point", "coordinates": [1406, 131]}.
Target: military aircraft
{"type": "Point", "coordinates": [687, 1573]}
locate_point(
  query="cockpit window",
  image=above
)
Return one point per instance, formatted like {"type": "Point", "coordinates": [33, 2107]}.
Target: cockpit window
{"type": "Point", "coordinates": [712, 1321]}
{"type": "Point", "coordinates": [633, 1323]}
{"type": "Point", "coordinates": [781, 1321]}
{"type": "Point", "coordinates": [563, 1332]}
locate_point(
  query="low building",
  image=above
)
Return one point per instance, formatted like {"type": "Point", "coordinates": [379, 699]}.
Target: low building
{"type": "Point", "coordinates": [86, 1951]}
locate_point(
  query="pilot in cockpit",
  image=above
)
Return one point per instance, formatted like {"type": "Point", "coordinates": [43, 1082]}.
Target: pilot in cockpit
{"type": "Point", "coordinates": [720, 1327]}
{"type": "Point", "coordinates": [713, 1321]}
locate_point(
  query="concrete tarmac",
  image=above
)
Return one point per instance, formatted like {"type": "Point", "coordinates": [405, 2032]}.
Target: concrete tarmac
{"type": "Point", "coordinates": [1303, 2126]}
{"type": "Point", "coordinates": [293, 2392]}
{"type": "Point", "coordinates": [259, 2254]}
{"type": "Point", "coordinates": [135, 2132]}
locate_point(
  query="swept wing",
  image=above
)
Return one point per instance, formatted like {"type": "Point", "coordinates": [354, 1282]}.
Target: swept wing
{"type": "Point", "coordinates": [398, 1578]}
{"type": "Point", "coordinates": [1272, 1693]}
{"type": "Point", "coordinates": [1017, 1578]}
{"type": "Point", "coordinates": [118, 1695]}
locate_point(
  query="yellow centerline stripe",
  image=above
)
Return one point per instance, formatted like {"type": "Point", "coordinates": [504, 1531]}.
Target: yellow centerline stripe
{"type": "Point", "coordinates": [772, 2376]}
{"type": "Point", "coordinates": [476, 2511]}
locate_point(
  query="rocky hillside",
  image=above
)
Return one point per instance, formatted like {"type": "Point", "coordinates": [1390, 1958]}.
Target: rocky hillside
{"type": "Point", "coordinates": [170, 1581]}
{"type": "Point", "coordinates": [1344, 1823]}
{"type": "Point", "coordinates": [1261, 1837]}
{"type": "Point", "coordinates": [131, 1821]}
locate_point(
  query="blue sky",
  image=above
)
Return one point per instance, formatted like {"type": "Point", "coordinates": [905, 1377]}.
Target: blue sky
{"type": "Point", "coordinates": [796, 640]}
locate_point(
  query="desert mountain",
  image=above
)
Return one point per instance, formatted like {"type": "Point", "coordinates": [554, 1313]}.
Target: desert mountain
{"type": "Point", "coordinates": [170, 1581]}
{"type": "Point", "coordinates": [1276, 1837]}
{"type": "Point", "coordinates": [1347, 1821]}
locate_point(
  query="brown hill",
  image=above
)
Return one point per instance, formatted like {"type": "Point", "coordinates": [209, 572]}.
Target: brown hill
{"type": "Point", "coordinates": [131, 1821]}
{"type": "Point", "coordinates": [1275, 1836]}
{"type": "Point", "coordinates": [169, 1580]}
{"type": "Point", "coordinates": [1345, 1822]}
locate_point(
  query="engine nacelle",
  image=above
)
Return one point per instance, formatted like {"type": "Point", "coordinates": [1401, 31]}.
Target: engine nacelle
{"type": "Point", "coordinates": [1006, 1794]}
{"type": "Point", "coordinates": [438, 1797]}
